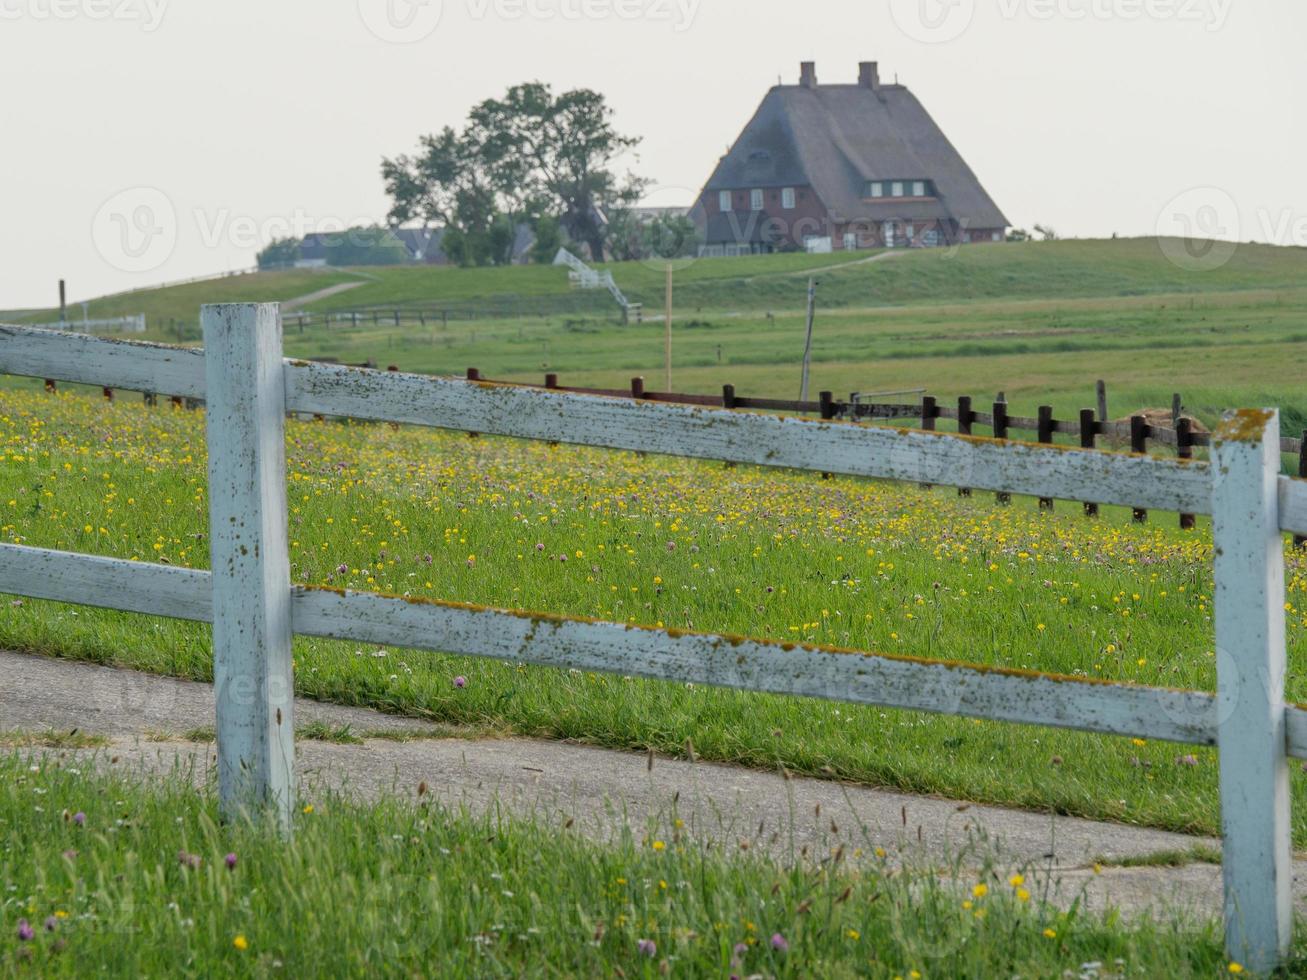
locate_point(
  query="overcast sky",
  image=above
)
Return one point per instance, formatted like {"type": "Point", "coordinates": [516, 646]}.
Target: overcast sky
{"type": "Point", "coordinates": [151, 140]}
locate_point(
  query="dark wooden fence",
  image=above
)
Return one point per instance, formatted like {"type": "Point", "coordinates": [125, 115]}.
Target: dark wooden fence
{"type": "Point", "coordinates": [1085, 430]}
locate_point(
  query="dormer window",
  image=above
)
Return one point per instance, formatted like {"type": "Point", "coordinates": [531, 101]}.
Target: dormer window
{"type": "Point", "coordinates": [787, 198]}
{"type": "Point", "coordinates": [724, 201]}
{"type": "Point", "coordinates": [877, 189]}
{"type": "Point", "coordinates": [755, 199]}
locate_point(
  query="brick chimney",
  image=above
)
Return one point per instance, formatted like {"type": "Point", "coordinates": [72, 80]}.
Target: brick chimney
{"type": "Point", "coordinates": [808, 74]}
{"type": "Point", "coordinates": [869, 75]}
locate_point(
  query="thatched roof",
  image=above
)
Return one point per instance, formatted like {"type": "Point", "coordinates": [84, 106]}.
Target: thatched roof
{"type": "Point", "coordinates": [836, 138]}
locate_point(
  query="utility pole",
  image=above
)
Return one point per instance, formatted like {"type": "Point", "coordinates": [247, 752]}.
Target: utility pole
{"type": "Point", "coordinates": [667, 338]}
{"type": "Point", "coordinates": [807, 346]}
{"type": "Point", "coordinates": [63, 303]}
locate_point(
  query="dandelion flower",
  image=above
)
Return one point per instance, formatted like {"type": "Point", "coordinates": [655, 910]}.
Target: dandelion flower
{"type": "Point", "coordinates": [240, 942]}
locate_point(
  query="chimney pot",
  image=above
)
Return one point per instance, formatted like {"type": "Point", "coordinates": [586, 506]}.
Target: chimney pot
{"type": "Point", "coordinates": [808, 74]}
{"type": "Point", "coordinates": [869, 75]}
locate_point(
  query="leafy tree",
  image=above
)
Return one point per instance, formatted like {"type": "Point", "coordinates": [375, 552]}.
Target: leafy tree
{"type": "Point", "coordinates": [549, 239]}
{"type": "Point", "coordinates": [1048, 233]}
{"type": "Point", "coordinates": [281, 252]}
{"type": "Point", "coordinates": [670, 236]}
{"type": "Point", "coordinates": [561, 148]}
{"type": "Point", "coordinates": [365, 246]}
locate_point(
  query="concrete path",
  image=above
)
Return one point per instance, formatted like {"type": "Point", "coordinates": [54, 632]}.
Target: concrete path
{"type": "Point", "coordinates": [342, 287]}
{"type": "Point", "coordinates": [151, 723]}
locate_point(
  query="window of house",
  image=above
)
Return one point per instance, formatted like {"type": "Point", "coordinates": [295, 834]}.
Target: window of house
{"type": "Point", "coordinates": [896, 189]}
{"type": "Point", "coordinates": [998, 236]}
{"type": "Point", "coordinates": [877, 189]}
{"type": "Point", "coordinates": [724, 201]}
{"type": "Point", "coordinates": [755, 199]}
{"type": "Point", "coordinates": [787, 197]}
{"type": "Point", "coordinates": [918, 188]}
{"type": "Point", "coordinates": [931, 237]}
{"type": "Point", "coordinates": [887, 232]}
{"type": "Point", "coordinates": [966, 236]}
{"type": "Point", "coordinates": [850, 240]}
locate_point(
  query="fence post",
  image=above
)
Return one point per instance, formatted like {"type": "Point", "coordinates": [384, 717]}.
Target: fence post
{"type": "Point", "coordinates": [1088, 436]}
{"type": "Point", "coordinates": [249, 555]}
{"type": "Point", "coordinates": [1184, 449]}
{"type": "Point", "coordinates": [1100, 389]}
{"type": "Point", "coordinates": [929, 413]}
{"type": "Point", "coordinates": [1139, 444]}
{"type": "Point", "coordinates": [965, 418]}
{"type": "Point", "coordinates": [1299, 540]}
{"type": "Point", "coordinates": [1046, 427]}
{"type": "Point", "coordinates": [1000, 432]}
{"type": "Point", "coordinates": [1250, 645]}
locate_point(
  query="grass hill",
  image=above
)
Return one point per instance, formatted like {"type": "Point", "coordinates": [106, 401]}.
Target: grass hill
{"type": "Point", "coordinates": [1051, 270]}
{"type": "Point", "coordinates": [1040, 321]}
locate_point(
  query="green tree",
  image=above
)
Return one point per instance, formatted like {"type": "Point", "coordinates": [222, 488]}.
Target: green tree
{"type": "Point", "coordinates": [560, 149]}
{"type": "Point", "coordinates": [280, 253]}
{"type": "Point", "coordinates": [365, 246]}
{"type": "Point", "coordinates": [549, 239]}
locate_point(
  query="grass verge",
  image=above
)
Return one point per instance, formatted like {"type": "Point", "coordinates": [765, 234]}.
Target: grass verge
{"type": "Point", "coordinates": [111, 876]}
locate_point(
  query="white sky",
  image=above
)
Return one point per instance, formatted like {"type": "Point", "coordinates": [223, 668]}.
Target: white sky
{"type": "Point", "coordinates": [1089, 115]}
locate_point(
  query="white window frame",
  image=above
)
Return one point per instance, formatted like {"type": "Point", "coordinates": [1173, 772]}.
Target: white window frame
{"type": "Point", "coordinates": [850, 241]}
{"type": "Point", "coordinates": [877, 188]}
{"type": "Point", "coordinates": [725, 201]}
{"type": "Point", "coordinates": [755, 199]}
{"type": "Point", "coordinates": [998, 236]}
{"type": "Point", "coordinates": [887, 232]}
{"type": "Point", "coordinates": [896, 189]}
{"type": "Point", "coordinates": [918, 188]}
{"type": "Point", "coordinates": [788, 198]}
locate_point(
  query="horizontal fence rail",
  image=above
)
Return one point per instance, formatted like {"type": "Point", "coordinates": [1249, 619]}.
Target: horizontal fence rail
{"type": "Point", "coordinates": [249, 388]}
{"type": "Point", "coordinates": [857, 677]}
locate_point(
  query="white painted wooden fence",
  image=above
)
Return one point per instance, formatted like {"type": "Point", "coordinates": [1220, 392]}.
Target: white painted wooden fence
{"type": "Point", "coordinates": [254, 609]}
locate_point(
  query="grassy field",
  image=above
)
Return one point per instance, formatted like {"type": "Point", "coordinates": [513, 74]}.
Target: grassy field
{"type": "Point", "coordinates": [1039, 321]}
{"type": "Point", "coordinates": [669, 543]}
{"type": "Point", "coordinates": [107, 876]}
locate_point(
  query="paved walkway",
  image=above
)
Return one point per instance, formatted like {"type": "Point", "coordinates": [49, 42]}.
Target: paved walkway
{"type": "Point", "coordinates": [341, 287]}
{"type": "Point", "coordinates": [149, 720]}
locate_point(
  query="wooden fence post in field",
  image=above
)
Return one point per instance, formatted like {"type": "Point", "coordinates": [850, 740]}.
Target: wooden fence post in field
{"type": "Point", "coordinates": [1250, 647]}
{"type": "Point", "coordinates": [929, 413]}
{"type": "Point", "coordinates": [1000, 432]}
{"type": "Point", "coordinates": [1298, 539]}
{"type": "Point", "coordinates": [1101, 391]}
{"type": "Point", "coordinates": [1139, 444]}
{"type": "Point", "coordinates": [1046, 426]}
{"type": "Point", "coordinates": [249, 555]}
{"type": "Point", "coordinates": [965, 419]}
{"type": "Point", "coordinates": [1184, 449]}
{"type": "Point", "coordinates": [1088, 436]}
